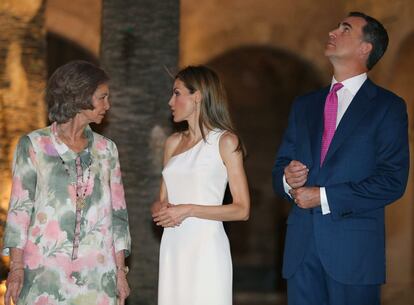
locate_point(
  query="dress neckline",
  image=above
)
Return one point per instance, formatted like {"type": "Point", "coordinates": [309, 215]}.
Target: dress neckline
{"type": "Point", "coordinates": [65, 152]}
{"type": "Point", "coordinates": [194, 146]}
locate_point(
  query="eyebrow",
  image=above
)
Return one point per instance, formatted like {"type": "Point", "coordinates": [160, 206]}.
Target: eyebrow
{"type": "Point", "coordinates": [346, 24]}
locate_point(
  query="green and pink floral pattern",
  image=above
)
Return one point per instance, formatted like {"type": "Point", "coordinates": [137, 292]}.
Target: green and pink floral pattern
{"type": "Point", "coordinates": [41, 220]}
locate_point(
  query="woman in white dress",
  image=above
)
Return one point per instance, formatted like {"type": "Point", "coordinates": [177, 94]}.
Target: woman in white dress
{"type": "Point", "coordinates": [195, 262]}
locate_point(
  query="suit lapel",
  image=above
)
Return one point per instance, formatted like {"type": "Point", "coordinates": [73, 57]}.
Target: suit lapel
{"type": "Point", "coordinates": [315, 123]}
{"type": "Point", "coordinates": [353, 115]}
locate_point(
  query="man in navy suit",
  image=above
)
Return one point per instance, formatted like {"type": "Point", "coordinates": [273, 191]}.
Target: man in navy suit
{"type": "Point", "coordinates": [343, 158]}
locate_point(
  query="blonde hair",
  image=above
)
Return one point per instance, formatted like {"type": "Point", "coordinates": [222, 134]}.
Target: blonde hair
{"type": "Point", "coordinates": [214, 111]}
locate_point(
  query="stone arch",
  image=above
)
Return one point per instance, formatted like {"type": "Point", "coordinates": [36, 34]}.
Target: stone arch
{"type": "Point", "coordinates": [261, 83]}
{"type": "Point", "coordinates": [76, 20]}
{"type": "Point", "coordinates": [400, 224]}
{"type": "Point", "coordinates": [61, 50]}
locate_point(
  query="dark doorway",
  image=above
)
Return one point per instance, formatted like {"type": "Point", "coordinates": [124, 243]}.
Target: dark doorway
{"type": "Point", "coordinates": [61, 51]}
{"type": "Point", "coordinates": [261, 84]}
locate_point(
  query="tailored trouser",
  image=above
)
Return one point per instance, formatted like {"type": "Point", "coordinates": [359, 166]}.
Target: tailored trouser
{"type": "Point", "coordinates": [311, 285]}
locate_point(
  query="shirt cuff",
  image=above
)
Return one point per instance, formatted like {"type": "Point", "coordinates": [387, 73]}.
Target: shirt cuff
{"type": "Point", "coordinates": [324, 201]}
{"type": "Point", "coordinates": [286, 186]}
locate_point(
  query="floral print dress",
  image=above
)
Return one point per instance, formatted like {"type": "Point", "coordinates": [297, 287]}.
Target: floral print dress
{"type": "Point", "coordinates": [42, 220]}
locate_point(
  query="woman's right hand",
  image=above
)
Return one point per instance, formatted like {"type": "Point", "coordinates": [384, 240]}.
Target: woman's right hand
{"type": "Point", "coordinates": [14, 285]}
{"type": "Point", "coordinates": [157, 206]}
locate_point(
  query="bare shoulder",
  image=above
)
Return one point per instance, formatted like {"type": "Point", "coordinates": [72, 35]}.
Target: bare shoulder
{"type": "Point", "coordinates": [171, 144]}
{"type": "Point", "coordinates": [228, 143]}
{"type": "Point", "coordinates": [173, 139]}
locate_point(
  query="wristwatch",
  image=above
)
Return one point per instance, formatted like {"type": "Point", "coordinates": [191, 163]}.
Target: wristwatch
{"type": "Point", "coordinates": [124, 269]}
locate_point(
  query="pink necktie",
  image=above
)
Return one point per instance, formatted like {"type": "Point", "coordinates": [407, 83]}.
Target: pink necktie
{"type": "Point", "coordinates": [329, 119]}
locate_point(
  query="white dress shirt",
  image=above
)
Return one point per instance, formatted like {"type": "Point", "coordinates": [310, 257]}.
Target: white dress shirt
{"type": "Point", "coordinates": [345, 97]}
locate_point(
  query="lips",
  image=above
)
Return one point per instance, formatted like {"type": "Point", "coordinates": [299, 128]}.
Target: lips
{"type": "Point", "coordinates": [331, 43]}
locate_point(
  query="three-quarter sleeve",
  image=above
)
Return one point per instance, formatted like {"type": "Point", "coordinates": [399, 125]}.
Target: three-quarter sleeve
{"type": "Point", "coordinates": [22, 196]}
{"type": "Point", "coordinates": [120, 225]}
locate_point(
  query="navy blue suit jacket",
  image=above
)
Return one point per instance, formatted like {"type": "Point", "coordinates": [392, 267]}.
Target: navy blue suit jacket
{"type": "Point", "coordinates": [366, 168]}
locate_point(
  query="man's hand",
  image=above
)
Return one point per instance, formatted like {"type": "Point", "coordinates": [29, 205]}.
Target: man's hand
{"type": "Point", "coordinates": [306, 197]}
{"type": "Point", "coordinates": [296, 174]}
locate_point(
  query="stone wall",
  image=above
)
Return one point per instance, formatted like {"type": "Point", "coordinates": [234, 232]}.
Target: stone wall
{"type": "Point", "coordinates": [291, 33]}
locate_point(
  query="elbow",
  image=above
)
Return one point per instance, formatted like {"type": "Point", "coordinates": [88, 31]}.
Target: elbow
{"type": "Point", "coordinates": [400, 193]}
{"type": "Point", "coordinates": [399, 189]}
{"type": "Point", "coordinates": [245, 217]}
{"type": "Point", "coordinates": [245, 214]}
{"type": "Point", "coordinates": [241, 210]}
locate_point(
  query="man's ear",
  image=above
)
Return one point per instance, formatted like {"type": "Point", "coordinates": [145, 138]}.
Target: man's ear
{"type": "Point", "coordinates": [366, 48]}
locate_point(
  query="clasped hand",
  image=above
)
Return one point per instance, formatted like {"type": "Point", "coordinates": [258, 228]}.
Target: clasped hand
{"type": "Point", "coordinates": [296, 175]}
{"type": "Point", "coordinates": [306, 197]}
{"type": "Point", "coordinates": [171, 215]}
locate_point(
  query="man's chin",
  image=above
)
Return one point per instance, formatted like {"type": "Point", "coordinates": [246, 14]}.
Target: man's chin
{"type": "Point", "coordinates": [328, 52]}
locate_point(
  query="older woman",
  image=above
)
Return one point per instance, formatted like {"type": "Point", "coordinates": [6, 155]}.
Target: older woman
{"type": "Point", "coordinates": [67, 227]}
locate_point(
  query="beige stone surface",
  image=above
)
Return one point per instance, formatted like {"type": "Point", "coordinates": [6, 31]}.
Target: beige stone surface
{"type": "Point", "coordinates": [211, 29]}
{"type": "Point", "coordinates": [78, 21]}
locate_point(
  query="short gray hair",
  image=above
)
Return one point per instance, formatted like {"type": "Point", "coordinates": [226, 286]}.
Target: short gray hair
{"type": "Point", "coordinates": [70, 89]}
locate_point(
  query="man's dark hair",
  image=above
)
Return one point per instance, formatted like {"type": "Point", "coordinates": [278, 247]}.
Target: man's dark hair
{"type": "Point", "coordinates": [70, 89]}
{"type": "Point", "coordinates": [374, 33]}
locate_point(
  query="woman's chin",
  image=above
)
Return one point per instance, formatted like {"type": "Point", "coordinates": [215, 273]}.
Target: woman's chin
{"type": "Point", "coordinates": [98, 121]}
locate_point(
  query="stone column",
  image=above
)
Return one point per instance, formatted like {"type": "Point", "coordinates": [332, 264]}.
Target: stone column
{"type": "Point", "coordinates": [139, 41]}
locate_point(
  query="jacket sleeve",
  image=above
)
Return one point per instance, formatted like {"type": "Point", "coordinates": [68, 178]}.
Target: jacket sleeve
{"type": "Point", "coordinates": [286, 153]}
{"type": "Point", "coordinates": [388, 181]}
{"type": "Point", "coordinates": [22, 197]}
{"type": "Point", "coordinates": [120, 224]}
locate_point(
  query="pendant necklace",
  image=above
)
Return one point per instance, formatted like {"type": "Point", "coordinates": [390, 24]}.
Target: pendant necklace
{"type": "Point", "coordinates": [81, 186]}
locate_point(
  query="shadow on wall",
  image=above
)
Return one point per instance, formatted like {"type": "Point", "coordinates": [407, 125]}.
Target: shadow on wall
{"type": "Point", "coordinates": [261, 84]}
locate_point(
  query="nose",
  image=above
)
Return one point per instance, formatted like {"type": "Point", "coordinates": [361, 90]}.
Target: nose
{"type": "Point", "coordinates": [333, 33]}
{"type": "Point", "coordinates": [107, 104]}
{"type": "Point", "coordinates": [171, 101]}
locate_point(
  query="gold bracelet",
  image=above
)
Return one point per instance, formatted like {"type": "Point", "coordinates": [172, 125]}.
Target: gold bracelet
{"type": "Point", "coordinates": [124, 269]}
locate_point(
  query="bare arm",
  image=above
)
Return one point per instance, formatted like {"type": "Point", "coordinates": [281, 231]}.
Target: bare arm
{"type": "Point", "coordinates": [239, 209]}
{"type": "Point", "coordinates": [16, 276]}
{"type": "Point", "coordinates": [162, 201]}
{"type": "Point", "coordinates": [122, 283]}
{"type": "Point", "coordinates": [169, 147]}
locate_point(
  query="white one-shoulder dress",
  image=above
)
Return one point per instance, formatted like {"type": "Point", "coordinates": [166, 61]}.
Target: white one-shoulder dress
{"type": "Point", "coordinates": [195, 262]}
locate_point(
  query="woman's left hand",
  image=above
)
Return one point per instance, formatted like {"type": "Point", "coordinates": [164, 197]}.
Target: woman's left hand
{"type": "Point", "coordinates": [172, 216]}
{"type": "Point", "coordinates": [122, 286]}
